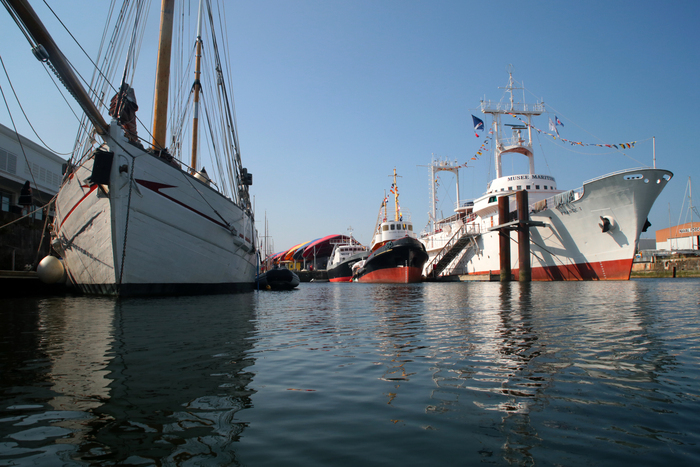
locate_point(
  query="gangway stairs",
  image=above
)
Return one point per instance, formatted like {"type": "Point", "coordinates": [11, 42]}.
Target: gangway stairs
{"type": "Point", "coordinates": [462, 239]}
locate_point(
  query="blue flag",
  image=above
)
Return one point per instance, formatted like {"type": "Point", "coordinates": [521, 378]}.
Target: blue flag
{"type": "Point", "coordinates": [478, 125]}
{"type": "Point", "coordinates": [557, 121]}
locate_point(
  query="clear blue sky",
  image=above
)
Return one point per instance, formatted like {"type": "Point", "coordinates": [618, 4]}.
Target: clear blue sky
{"type": "Point", "coordinates": [332, 95]}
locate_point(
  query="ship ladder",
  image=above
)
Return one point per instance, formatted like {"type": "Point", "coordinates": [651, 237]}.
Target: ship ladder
{"type": "Point", "coordinates": [460, 241]}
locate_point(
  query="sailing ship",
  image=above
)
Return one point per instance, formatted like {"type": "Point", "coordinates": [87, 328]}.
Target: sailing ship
{"type": "Point", "coordinates": [589, 233]}
{"type": "Point", "coordinates": [135, 220]}
{"type": "Point", "coordinates": [396, 254]}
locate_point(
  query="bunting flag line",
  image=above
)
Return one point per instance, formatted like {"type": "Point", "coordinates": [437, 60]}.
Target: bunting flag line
{"type": "Point", "coordinates": [478, 125]}
{"type": "Point", "coordinates": [553, 127]}
{"type": "Point", "coordinates": [482, 149]}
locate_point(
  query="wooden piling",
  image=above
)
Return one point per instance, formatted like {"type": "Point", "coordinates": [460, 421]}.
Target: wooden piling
{"type": "Point", "coordinates": [525, 270]}
{"type": "Point", "coordinates": [504, 238]}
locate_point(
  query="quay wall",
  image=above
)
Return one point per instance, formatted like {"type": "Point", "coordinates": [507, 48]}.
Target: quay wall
{"type": "Point", "coordinates": [668, 267]}
{"type": "Point", "coordinates": [19, 242]}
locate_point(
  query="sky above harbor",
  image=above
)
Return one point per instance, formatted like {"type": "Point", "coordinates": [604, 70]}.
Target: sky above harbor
{"type": "Point", "coordinates": [331, 96]}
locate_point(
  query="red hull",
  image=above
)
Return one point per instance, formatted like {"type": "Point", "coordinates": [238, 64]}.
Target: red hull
{"type": "Point", "coordinates": [404, 275]}
{"type": "Point", "coordinates": [341, 279]}
{"type": "Point", "coordinates": [616, 270]}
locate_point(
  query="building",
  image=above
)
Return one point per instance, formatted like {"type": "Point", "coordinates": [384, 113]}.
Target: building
{"type": "Point", "coordinates": [26, 162]}
{"type": "Point", "coordinates": [23, 244]}
{"type": "Point", "coordinates": [681, 237]}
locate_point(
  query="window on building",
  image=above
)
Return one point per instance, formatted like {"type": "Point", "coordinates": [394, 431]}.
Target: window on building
{"type": "Point", "coordinates": [8, 162]}
{"type": "Point", "coordinates": [5, 200]}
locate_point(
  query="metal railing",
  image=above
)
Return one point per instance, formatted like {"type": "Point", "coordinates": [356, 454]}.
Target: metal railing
{"type": "Point", "coordinates": [465, 229]}
{"type": "Point", "coordinates": [516, 107]}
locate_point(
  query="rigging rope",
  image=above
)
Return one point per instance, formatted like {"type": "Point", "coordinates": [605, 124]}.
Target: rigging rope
{"type": "Point", "coordinates": [19, 140]}
{"type": "Point", "coordinates": [23, 112]}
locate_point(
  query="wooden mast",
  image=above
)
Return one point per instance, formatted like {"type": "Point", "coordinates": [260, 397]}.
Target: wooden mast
{"type": "Point", "coordinates": [160, 105]}
{"type": "Point", "coordinates": [197, 89]}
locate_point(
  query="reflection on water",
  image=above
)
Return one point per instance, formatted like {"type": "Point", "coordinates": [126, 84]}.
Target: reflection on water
{"type": "Point", "coordinates": [399, 312]}
{"type": "Point", "coordinates": [357, 374]}
{"type": "Point", "coordinates": [133, 381]}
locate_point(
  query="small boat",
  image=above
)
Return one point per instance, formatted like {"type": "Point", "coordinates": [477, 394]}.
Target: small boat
{"type": "Point", "coordinates": [278, 279]}
{"type": "Point", "coordinates": [344, 255]}
{"type": "Point", "coordinates": [397, 256]}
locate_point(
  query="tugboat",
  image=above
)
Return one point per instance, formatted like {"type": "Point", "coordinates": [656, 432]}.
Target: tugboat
{"type": "Point", "coordinates": [344, 256]}
{"type": "Point", "coordinates": [397, 256]}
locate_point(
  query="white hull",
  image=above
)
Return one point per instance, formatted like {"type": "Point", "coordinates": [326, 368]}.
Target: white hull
{"type": "Point", "coordinates": [571, 245]}
{"type": "Point", "coordinates": [155, 231]}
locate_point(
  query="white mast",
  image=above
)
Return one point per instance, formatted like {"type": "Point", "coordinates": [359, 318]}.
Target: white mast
{"type": "Point", "coordinates": [516, 143]}
{"type": "Point", "coordinates": [435, 167]}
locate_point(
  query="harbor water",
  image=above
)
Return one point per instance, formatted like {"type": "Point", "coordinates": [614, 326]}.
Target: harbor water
{"type": "Point", "coordinates": [571, 373]}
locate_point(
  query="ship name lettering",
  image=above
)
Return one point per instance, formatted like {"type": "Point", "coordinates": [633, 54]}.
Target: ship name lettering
{"type": "Point", "coordinates": [543, 177]}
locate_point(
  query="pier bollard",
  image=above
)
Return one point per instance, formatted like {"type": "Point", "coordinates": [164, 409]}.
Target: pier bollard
{"type": "Point", "coordinates": [504, 239]}
{"type": "Point", "coordinates": [525, 270]}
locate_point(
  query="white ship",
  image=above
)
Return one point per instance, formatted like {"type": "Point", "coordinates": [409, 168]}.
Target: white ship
{"type": "Point", "coordinates": [590, 233]}
{"type": "Point", "coordinates": [131, 220]}
{"type": "Point", "coordinates": [346, 253]}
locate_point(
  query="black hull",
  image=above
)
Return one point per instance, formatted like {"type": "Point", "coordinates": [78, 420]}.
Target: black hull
{"type": "Point", "coordinates": [278, 279]}
{"type": "Point", "coordinates": [343, 271]}
{"type": "Point", "coordinates": [400, 261]}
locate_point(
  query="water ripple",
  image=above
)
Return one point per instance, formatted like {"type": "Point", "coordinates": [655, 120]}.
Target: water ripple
{"type": "Point", "coordinates": [357, 374]}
